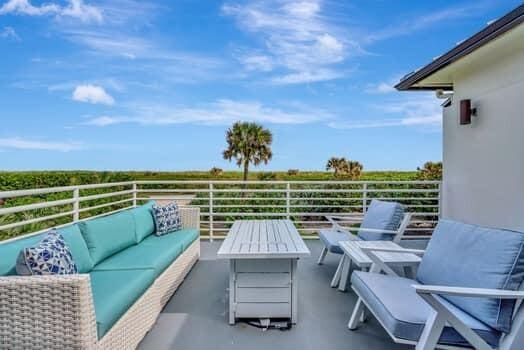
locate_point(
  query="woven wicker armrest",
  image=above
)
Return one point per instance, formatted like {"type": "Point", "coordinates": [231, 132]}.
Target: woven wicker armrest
{"type": "Point", "coordinates": [190, 217]}
{"type": "Point", "coordinates": [47, 311]}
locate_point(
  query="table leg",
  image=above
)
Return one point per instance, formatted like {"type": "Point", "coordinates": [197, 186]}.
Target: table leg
{"type": "Point", "coordinates": [232, 292]}
{"type": "Point", "coordinates": [336, 277]}
{"type": "Point", "coordinates": [294, 291]}
{"type": "Point", "coordinates": [363, 315]}
{"type": "Point", "coordinates": [344, 275]}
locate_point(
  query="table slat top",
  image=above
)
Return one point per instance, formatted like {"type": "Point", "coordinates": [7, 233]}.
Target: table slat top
{"type": "Point", "coordinates": [252, 239]}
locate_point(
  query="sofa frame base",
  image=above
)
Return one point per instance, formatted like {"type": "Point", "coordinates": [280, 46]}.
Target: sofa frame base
{"type": "Point", "coordinates": [131, 328]}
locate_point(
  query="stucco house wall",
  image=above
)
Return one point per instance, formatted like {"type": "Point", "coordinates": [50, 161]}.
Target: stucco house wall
{"type": "Point", "coordinates": [484, 161]}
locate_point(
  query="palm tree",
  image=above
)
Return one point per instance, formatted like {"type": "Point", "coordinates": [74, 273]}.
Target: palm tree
{"type": "Point", "coordinates": [354, 169]}
{"type": "Point", "coordinates": [344, 167]}
{"type": "Point", "coordinates": [248, 143]}
{"type": "Point", "coordinates": [336, 164]}
{"type": "Point", "coordinates": [430, 171]}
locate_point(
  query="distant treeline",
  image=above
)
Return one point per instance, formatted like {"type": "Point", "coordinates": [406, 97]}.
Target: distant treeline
{"type": "Point", "coordinates": [14, 180]}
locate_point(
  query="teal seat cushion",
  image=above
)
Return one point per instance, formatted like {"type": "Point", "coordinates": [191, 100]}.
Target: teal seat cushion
{"type": "Point", "coordinates": [108, 235]}
{"type": "Point", "coordinates": [145, 225]}
{"type": "Point", "coordinates": [464, 255]}
{"type": "Point", "coordinates": [144, 256]}
{"type": "Point", "coordinates": [9, 251]}
{"type": "Point", "coordinates": [184, 237]}
{"type": "Point", "coordinates": [114, 292]}
{"type": "Point", "coordinates": [381, 215]}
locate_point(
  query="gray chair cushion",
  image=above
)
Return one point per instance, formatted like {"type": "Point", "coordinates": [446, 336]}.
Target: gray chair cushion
{"type": "Point", "coordinates": [466, 255]}
{"type": "Point", "coordinates": [404, 313]}
{"type": "Point", "coordinates": [330, 238]}
{"type": "Point", "coordinates": [381, 216]}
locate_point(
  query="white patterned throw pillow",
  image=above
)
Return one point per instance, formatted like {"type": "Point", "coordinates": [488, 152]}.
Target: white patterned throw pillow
{"type": "Point", "coordinates": [167, 218]}
{"type": "Point", "coordinates": [51, 256]}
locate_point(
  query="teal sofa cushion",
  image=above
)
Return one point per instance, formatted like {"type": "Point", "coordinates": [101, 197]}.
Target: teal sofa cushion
{"type": "Point", "coordinates": [114, 292]}
{"type": "Point", "coordinates": [143, 256]}
{"type": "Point", "coordinates": [145, 225]}
{"type": "Point", "coordinates": [78, 247]}
{"type": "Point", "coordinates": [381, 215]}
{"type": "Point", "coordinates": [184, 237]}
{"type": "Point", "coordinates": [9, 251]}
{"type": "Point", "coordinates": [464, 255]}
{"type": "Point", "coordinates": [108, 235]}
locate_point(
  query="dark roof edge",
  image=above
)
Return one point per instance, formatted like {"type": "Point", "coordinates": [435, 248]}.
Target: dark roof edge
{"type": "Point", "coordinates": [492, 31]}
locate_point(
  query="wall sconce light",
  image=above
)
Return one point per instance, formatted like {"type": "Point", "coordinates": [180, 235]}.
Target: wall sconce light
{"type": "Point", "coordinates": [466, 112]}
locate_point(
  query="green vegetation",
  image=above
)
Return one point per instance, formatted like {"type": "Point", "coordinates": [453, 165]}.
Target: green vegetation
{"type": "Point", "coordinates": [267, 201]}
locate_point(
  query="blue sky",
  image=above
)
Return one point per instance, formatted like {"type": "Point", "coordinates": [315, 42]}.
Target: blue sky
{"type": "Point", "coordinates": [125, 84]}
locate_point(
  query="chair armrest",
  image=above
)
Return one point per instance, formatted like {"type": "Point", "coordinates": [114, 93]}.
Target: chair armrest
{"type": "Point", "coordinates": [54, 311]}
{"type": "Point", "coordinates": [418, 252]}
{"type": "Point", "coordinates": [374, 230]}
{"type": "Point", "coordinates": [469, 292]}
{"type": "Point", "coordinates": [347, 218]}
{"type": "Point", "coordinates": [410, 258]}
{"type": "Point", "coordinates": [190, 217]}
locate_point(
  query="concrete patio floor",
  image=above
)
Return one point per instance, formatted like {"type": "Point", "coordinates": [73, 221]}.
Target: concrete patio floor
{"type": "Point", "coordinates": [196, 316]}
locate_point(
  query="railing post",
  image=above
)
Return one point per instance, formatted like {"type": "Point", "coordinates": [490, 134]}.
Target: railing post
{"type": "Point", "coordinates": [211, 212]}
{"type": "Point", "coordinates": [134, 193]}
{"type": "Point", "coordinates": [439, 187]}
{"type": "Point", "coordinates": [76, 204]}
{"type": "Point", "coordinates": [364, 198]}
{"type": "Point", "coordinates": [288, 200]}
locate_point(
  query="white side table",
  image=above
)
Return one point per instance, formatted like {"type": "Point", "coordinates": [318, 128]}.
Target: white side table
{"type": "Point", "coordinates": [354, 255]}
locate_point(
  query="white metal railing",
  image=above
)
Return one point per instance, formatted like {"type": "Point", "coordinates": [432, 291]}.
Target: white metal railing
{"type": "Point", "coordinates": [221, 202]}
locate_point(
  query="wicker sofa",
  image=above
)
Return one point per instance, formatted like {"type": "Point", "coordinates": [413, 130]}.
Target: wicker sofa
{"type": "Point", "coordinates": [117, 295]}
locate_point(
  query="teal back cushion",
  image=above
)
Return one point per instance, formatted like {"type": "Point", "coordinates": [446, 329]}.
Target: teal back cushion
{"type": "Point", "coordinates": [78, 247]}
{"type": "Point", "coordinates": [145, 225]}
{"type": "Point", "coordinates": [464, 255]}
{"type": "Point", "coordinates": [9, 251]}
{"type": "Point", "coordinates": [108, 235]}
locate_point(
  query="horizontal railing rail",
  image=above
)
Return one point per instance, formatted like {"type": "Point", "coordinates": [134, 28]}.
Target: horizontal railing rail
{"type": "Point", "coordinates": [306, 203]}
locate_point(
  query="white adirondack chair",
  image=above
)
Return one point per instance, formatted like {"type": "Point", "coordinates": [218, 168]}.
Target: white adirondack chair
{"type": "Point", "coordinates": [442, 312]}
{"type": "Point", "coordinates": [330, 237]}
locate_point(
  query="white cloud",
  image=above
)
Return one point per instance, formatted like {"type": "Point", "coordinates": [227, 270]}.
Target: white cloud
{"type": "Point", "coordinates": [307, 77]}
{"type": "Point", "coordinates": [220, 112]}
{"type": "Point", "coordinates": [85, 13]}
{"type": "Point", "coordinates": [380, 88]}
{"type": "Point", "coordinates": [421, 22]}
{"type": "Point", "coordinates": [297, 38]}
{"type": "Point", "coordinates": [9, 33]}
{"type": "Point", "coordinates": [105, 121]}
{"type": "Point", "coordinates": [423, 111]}
{"type": "Point", "coordinates": [27, 144]}
{"type": "Point", "coordinates": [74, 9]}
{"type": "Point", "coordinates": [24, 7]}
{"type": "Point", "coordinates": [304, 9]}
{"type": "Point", "coordinates": [257, 62]}
{"type": "Point", "coordinates": [92, 94]}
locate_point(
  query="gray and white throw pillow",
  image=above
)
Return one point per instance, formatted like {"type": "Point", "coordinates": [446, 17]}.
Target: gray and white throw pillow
{"type": "Point", "coordinates": [51, 256]}
{"type": "Point", "coordinates": [167, 218]}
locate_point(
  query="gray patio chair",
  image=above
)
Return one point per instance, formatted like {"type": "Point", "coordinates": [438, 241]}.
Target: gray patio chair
{"type": "Point", "coordinates": [382, 221]}
{"type": "Point", "coordinates": [467, 292]}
